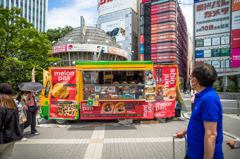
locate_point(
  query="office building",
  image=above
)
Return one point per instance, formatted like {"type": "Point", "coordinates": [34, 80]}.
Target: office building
{"type": "Point", "coordinates": [35, 11]}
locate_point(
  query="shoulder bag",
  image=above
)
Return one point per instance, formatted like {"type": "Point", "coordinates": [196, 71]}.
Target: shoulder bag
{"type": "Point", "coordinates": [34, 107]}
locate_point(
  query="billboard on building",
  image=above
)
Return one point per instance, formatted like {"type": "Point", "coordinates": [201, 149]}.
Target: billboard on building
{"type": "Point", "coordinates": [115, 29]}
{"type": "Point", "coordinates": [236, 20]}
{"type": "Point", "coordinates": [109, 6]}
{"type": "Point", "coordinates": [216, 64]}
{"type": "Point", "coordinates": [235, 39]}
{"type": "Point", "coordinates": [212, 17]}
{"type": "Point", "coordinates": [236, 5]}
{"type": "Point", "coordinates": [199, 54]}
{"type": "Point", "coordinates": [236, 57]}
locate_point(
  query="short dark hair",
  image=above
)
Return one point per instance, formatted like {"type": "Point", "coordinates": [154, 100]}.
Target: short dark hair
{"type": "Point", "coordinates": [205, 73]}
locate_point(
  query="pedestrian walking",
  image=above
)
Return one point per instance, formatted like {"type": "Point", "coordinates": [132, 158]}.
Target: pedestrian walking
{"type": "Point", "coordinates": [204, 132]}
{"type": "Point", "coordinates": [31, 109]}
{"type": "Point", "coordinates": [20, 102]}
{"type": "Point", "coordinates": [9, 122]}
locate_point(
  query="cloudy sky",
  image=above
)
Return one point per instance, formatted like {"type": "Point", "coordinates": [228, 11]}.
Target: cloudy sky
{"type": "Point", "coordinates": [68, 12]}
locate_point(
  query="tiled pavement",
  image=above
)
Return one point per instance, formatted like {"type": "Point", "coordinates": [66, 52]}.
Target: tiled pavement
{"type": "Point", "coordinates": [110, 141]}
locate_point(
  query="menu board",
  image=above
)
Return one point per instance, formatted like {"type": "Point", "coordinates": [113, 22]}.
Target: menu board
{"type": "Point", "coordinates": [63, 94]}
{"type": "Point", "coordinates": [118, 110]}
{"type": "Point", "coordinates": [165, 91]}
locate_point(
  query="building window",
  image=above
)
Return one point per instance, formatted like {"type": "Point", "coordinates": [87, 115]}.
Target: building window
{"type": "Point", "coordinates": [7, 4]}
{"type": "Point", "coordinates": [12, 3]}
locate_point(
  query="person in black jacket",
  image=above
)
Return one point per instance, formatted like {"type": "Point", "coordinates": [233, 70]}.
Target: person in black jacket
{"type": "Point", "coordinates": [9, 122]}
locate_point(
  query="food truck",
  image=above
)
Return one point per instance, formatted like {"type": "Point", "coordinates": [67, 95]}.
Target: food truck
{"type": "Point", "coordinates": [110, 90]}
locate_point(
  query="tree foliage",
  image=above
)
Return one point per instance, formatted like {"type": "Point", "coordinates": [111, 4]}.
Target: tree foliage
{"type": "Point", "coordinates": [22, 47]}
{"type": "Point", "coordinates": [55, 34]}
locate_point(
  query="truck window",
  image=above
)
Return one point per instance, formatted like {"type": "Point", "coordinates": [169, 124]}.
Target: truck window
{"type": "Point", "coordinates": [47, 89]}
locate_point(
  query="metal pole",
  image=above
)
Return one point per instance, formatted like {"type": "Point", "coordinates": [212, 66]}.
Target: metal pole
{"type": "Point", "coordinates": [225, 80]}
{"type": "Point", "coordinates": [238, 107]}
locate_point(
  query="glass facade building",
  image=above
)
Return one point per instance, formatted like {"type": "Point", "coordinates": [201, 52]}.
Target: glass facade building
{"type": "Point", "coordinates": [35, 11]}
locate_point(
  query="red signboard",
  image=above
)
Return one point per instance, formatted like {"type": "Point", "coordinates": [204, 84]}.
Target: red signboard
{"type": "Point", "coordinates": [141, 39]}
{"type": "Point", "coordinates": [166, 77]}
{"type": "Point", "coordinates": [118, 110]}
{"type": "Point", "coordinates": [63, 93]}
{"type": "Point", "coordinates": [235, 39]}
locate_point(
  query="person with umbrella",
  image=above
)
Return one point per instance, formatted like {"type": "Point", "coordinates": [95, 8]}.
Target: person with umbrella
{"type": "Point", "coordinates": [31, 109]}
{"type": "Point", "coordinates": [31, 106]}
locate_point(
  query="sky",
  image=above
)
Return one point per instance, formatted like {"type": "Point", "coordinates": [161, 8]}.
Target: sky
{"type": "Point", "coordinates": [68, 12]}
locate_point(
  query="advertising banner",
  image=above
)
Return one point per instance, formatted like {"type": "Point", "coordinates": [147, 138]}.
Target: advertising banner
{"type": "Point", "coordinates": [224, 40]}
{"type": "Point", "coordinates": [199, 43]}
{"type": "Point", "coordinates": [109, 6]}
{"type": "Point", "coordinates": [225, 51]}
{"type": "Point", "coordinates": [155, 28]}
{"type": "Point", "coordinates": [141, 39]}
{"type": "Point", "coordinates": [165, 91]}
{"type": "Point", "coordinates": [142, 9]}
{"type": "Point", "coordinates": [236, 57]}
{"type": "Point", "coordinates": [223, 64]}
{"type": "Point", "coordinates": [236, 5]}
{"type": "Point", "coordinates": [163, 37]}
{"type": "Point", "coordinates": [117, 51]}
{"type": "Point", "coordinates": [59, 48]}
{"type": "Point", "coordinates": [207, 53]}
{"type": "Point", "coordinates": [63, 93]}
{"type": "Point", "coordinates": [215, 52]}
{"type": "Point", "coordinates": [212, 17]}
{"type": "Point", "coordinates": [236, 20]}
{"type": "Point", "coordinates": [142, 49]}
{"type": "Point", "coordinates": [118, 110]}
{"type": "Point", "coordinates": [207, 42]}
{"type": "Point", "coordinates": [115, 29]}
{"type": "Point", "coordinates": [209, 62]}
{"type": "Point", "coordinates": [235, 39]}
{"type": "Point", "coordinates": [199, 54]}
{"type": "Point", "coordinates": [216, 41]}
{"type": "Point", "coordinates": [216, 64]}
{"type": "Point", "coordinates": [141, 57]}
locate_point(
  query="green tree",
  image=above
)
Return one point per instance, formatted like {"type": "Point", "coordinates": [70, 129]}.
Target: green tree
{"type": "Point", "coordinates": [22, 47]}
{"type": "Point", "coordinates": [55, 34]}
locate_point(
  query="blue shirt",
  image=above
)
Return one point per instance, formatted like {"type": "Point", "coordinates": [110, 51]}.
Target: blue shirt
{"type": "Point", "coordinates": [207, 107]}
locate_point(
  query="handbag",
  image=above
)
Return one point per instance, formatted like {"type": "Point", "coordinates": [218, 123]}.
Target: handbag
{"type": "Point", "coordinates": [33, 108]}
{"type": "Point", "coordinates": [22, 118]}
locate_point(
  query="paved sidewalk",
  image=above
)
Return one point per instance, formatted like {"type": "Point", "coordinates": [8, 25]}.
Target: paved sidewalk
{"type": "Point", "coordinates": [108, 141]}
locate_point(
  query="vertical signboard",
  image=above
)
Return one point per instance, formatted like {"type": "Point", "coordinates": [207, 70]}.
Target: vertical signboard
{"type": "Point", "coordinates": [165, 91]}
{"type": "Point", "coordinates": [63, 93]}
{"type": "Point", "coordinates": [236, 57]}
{"type": "Point", "coordinates": [142, 19]}
{"type": "Point", "coordinates": [235, 39]}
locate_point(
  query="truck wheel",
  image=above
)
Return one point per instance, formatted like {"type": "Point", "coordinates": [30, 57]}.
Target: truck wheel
{"type": "Point", "coordinates": [61, 122]}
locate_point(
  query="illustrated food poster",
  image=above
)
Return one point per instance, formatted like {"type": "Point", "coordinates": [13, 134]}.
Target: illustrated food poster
{"type": "Point", "coordinates": [118, 110]}
{"type": "Point", "coordinates": [165, 91]}
{"type": "Point", "coordinates": [63, 93]}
